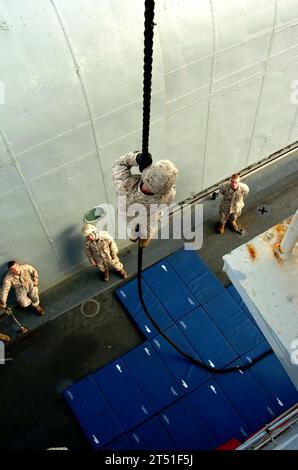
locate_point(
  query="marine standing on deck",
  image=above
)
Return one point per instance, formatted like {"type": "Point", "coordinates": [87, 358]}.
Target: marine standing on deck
{"type": "Point", "coordinates": [102, 251]}
{"type": "Point", "coordinates": [155, 186]}
{"type": "Point", "coordinates": [24, 279]}
{"type": "Point", "coordinates": [232, 203]}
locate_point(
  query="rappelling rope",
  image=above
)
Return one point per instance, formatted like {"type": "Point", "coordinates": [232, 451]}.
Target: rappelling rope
{"type": "Point", "coordinates": [147, 77]}
{"type": "Point", "coordinates": [147, 81]}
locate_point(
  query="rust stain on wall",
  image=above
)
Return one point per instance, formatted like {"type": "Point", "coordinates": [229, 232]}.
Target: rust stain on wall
{"type": "Point", "coordinates": [276, 249]}
{"type": "Point", "coordinates": [252, 251]}
{"type": "Point", "coordinates": [277, 252]}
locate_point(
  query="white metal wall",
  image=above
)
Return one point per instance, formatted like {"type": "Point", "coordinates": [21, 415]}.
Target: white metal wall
{"type": "Point", "coordinates": [71, 102]}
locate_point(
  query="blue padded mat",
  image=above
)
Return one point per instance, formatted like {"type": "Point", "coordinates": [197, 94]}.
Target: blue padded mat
{"type": "Point", "coordinates": [240, 331]}
{"type": "Point", "coordinates": [192, 409]}
{"type": "Point", "coordinates": [234, 293]}
{"type": "Point", "coordinates": [130, 406]}
{"type": "Point", "coordinates": [185, 427]}
{"type": "Point", "coordinates": [194, 273]}
{"type": "Point", "coordinates": [151, 436]}
{"type": "Point", "coordinates": [177, 301]}
{"type": "Point", "coordinates": [206, 339]}
{"type": "Point", "coordinates": [189, 263]}
{"type": "Point", "coordinates": [189, 375]}
{"type": "Point", "coordinates": [145, 325]}
{"type": "Point", "coordinates": [221, 308]}
{"type": "Point", "coordinates": [256, 352]}
{"type": "Point", "coordinates": [156, 383]}
{"type": "Point", "coordinates": [248, 398]}
{"type": "Point", "coordinates": [128, 295]}
{"type": "Point", "coordinates": [206, 287]}
{"type": "Point", "coordinates": [122, 443]}
{"type": "Point", "coordinates": [274, 381]}
{"type": "Point", "coordinates": [218, 414]}
{"type": "Point", "coordinates": [93, 412]}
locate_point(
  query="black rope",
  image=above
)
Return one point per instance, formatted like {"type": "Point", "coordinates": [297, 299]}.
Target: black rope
{"type": "Point", "coordinates": [147, 81]}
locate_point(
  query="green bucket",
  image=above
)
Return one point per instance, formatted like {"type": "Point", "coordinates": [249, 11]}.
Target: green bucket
{"type": "Point", "coordinates": [93, 215]}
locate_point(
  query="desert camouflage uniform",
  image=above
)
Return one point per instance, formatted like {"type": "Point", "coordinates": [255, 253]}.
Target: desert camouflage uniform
{"type": "Point", "coordinates": [103, 252]}
{"type": "Point", "coordinates": [129, 185]}
{"type": "Point", "coordinates": [3, 337]}
{"type": "Point", "coordinates": [25, 286]}
{"type": "Point", "coordinates": [232, 202]}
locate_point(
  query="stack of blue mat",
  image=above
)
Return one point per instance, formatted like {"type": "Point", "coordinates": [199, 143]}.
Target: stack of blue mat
{"type": "Point", "coordinates": [153, 398]}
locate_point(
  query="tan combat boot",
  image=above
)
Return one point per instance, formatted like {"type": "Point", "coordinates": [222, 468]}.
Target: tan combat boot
{"type": "Point", "coordinates": [106, 275]}
{"type": "Point", "coordinates": [122, 273]}
{"type": "Point", "coordinates": [221, 228]}
{"type": "Point", "coordinates": [236, 227]}
{"type": "Point", "coordinates": [4, 338]}
{"type": "Point", "coordinates": [39, 310]}
{"type": "Point", "coordinates": [143, 243]}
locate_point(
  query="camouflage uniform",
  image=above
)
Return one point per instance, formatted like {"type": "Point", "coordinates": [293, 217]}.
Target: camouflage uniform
{"type": "Point", "coordinates": [103, 251]}
{"type": "Point", "coordinates": [4, 338]}
{"type": "Point", "coordinates": [232, 202]}
{"type": "Point", "coordinates": [129, 185]}
{"type": "Point", "coordinates": [25, 286]}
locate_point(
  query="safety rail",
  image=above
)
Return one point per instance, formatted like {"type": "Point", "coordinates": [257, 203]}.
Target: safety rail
{"type": "Point", "coordinates": [272, 430]}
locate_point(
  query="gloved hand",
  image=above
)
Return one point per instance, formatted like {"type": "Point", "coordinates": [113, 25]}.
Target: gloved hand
{"type": "Point", "coordinates": [8, 310]}
{"type": "Point", "coordinates": [143, 161]}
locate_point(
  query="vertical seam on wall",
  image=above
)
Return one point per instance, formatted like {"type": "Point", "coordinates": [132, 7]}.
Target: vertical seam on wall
{"type": "Point", "coordinates": [263, 81]}
{"type": "Point", "coordinates": [30, 194]}
{"type": "Point", "coordinates": [291, 128]}
{"type": "Point", "coordinates": [84, 89]}
{"type": "Point", "coordinates": [210, 91]}
{"type": "Point", "coordinates": [165, 121]}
